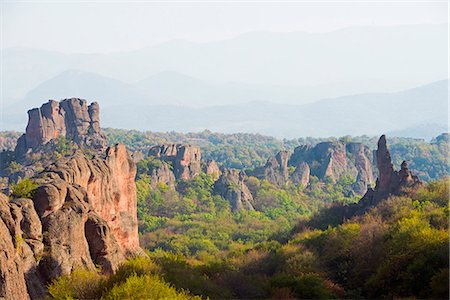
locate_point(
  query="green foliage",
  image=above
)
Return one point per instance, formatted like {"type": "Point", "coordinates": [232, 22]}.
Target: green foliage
{"type": "Point", "coordinates": [80, 284]}
{"type": "Point", "coordinates": [135, 279]}
{"type": "Point", "coordinates": [13, 167]}
{"type": "Point", "coordinates": [24, 188]}
{"type": "Point", "coordinates": [145, 287]}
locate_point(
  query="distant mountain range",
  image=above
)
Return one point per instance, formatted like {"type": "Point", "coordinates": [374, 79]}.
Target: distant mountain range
{"type": "Point", "coordinates": [280, 84]}
{"type": "Point", "coordinates": [294, 67]}
{"type": "Point", "coordinates": [418, 112]}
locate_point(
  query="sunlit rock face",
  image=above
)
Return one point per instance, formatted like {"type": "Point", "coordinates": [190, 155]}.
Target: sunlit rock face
{"type": "Point", "coordinates": [72, 118]}
{"type": "Point", "coordinates": [83, 212]}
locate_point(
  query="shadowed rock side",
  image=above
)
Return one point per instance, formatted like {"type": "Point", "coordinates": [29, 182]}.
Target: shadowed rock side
{"type": "Point", "coordinates": [70, 118]}
{"type": "Point", "coordinates": [389, 182]}
{"type": "Point", "coordinates": [275, 170]}
{"type": "Point", "coordinates": [231, 186]}
{"type": "Point", "coordinates": [301, 174]}
{"type": "Point", "coordinates": [185, 159]}
{"type": "Point", "coordinates": [162, 174]}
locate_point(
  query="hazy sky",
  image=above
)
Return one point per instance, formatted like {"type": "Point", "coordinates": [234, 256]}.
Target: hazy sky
{"type": "Point", "coordinates": [110, 26]}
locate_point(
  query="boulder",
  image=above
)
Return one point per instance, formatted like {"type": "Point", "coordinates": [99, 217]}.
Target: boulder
{"type": "Point", "coordinates": [162, 174]}
{"type": "Point", "coordinates": [333, 160]}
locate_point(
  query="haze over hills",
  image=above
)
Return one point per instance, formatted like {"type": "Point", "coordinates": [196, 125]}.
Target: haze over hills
{"type": "Point", "coordinates": [315, 65]}
{"type": "Point", "coordinates": [353, 115]}
{"type": "Point", "coordinates": [263, 82]}
{"type": "Point", "coordinates": [418, 112]}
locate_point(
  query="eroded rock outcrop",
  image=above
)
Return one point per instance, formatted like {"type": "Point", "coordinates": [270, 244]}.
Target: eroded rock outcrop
{"type": "Point", "coordinates": [185, 159]}
{"type": "Point", "coordinates": [70, 118]}
{"type": "Point", "coordinates": [333, 160]}
{"type": "Point", "coordinates": [109, 185]}
{"type": "Point", "coordinates": [83, 213]}
{"type": "Point", "coordinates": [389, 181]}
{"type": "Point", "coordinates": [231, 186]}
{"type": "Point", "coordinates": [162, 174]}
{"type": "Point", "coordinates": [275, 170]}
{"type": "Point", "coordinates": [21, 246]}
{"type": "Point", "coordinates": [301, 174]}
{"type": "Point", "coordinates": [211, 168]}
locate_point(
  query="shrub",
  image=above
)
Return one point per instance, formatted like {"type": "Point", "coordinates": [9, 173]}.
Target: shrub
{"type": "Point", "coordinates": [81, 284]}
{"type": "Point", "coordinates": [24, 188]}
{"type": "Point", "coordinates": [146, 287]}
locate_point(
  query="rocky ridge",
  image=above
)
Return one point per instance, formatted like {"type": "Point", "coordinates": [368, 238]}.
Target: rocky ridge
{"type": "Point", "coordinates": [325, 160]}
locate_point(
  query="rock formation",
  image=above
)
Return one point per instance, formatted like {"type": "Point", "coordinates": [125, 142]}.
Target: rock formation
{"type": "Point", "coordinates": [231, 186]}
{"type": "Point", "coordinates": [275, 170]}
{"type": "Point", "coordinates": [162, 174]}
{"type": "Point", "coordinates": [109, 185]}
{"type": "Point", "coordinates": [362, 162]}
{"type": "Point", "coordinates": [21, 246]}
{"type": "Point", "coordinates": [185, 159]}
{"type": "Point", "coordinates": [389, 182]}
{"type": "Point", "coordinates": [333, 160]}
{"type": "Point", "coordinates": [83, 213]}
{"type": "Point", "coordinates": [301, 175]}
{"type": "Point", "coordinates": [70, 118]}
{"type": "Point", "coordinates": [211, 168]}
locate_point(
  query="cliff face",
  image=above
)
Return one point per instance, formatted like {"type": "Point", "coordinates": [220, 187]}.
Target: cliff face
{"type": "Point", "coordinates": [109, 185]}
{"type": "Point", "coordinates": [21, 245]}
{"type": "Point", "coordinates": [185, 159]}
{"type": "Point", "coordinates": [231, 186]}
{"type": "Point", "coordinates": [389, 182]}
{"type": "Point", "coordinates": [70, 118]}
{"type": "Point", "coordinates": [83, 212]}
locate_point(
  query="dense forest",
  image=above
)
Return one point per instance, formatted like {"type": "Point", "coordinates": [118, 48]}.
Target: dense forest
{"type": "Point", "coordinates": [298, 242]}
{"type": "Point", "coordinates": [288, 249]}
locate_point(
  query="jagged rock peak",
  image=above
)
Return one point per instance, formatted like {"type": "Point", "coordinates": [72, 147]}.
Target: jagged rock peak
{"type": "Point", "coordinates": [71, 118]}
{"type": "Point", "coordinates": [185, 159]}
{"type": "Point", "coordinates": [389, 182]}
{"type": "Point", "coordinates": [231, 186]}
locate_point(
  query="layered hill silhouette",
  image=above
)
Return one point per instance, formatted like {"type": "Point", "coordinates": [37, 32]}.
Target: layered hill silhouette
{"type": "Point", "coordinates": [144, 106]}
